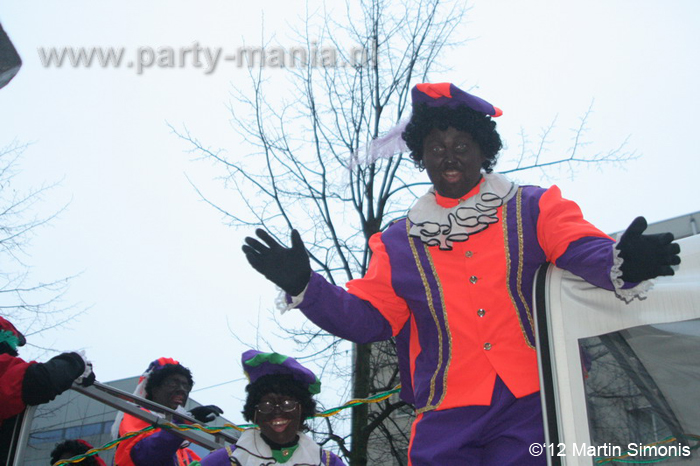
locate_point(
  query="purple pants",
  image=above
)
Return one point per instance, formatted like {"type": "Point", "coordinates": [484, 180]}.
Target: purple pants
{"type": "Point", "coordinates": [497, 435]}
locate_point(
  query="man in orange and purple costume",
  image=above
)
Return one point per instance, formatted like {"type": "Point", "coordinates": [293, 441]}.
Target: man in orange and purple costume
{"type": "Point", "coordinates": [453, 283]}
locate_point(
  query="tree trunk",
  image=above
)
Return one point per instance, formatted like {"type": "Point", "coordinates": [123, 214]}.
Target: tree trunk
{"type": "Point", "coordinates": [360, 414]}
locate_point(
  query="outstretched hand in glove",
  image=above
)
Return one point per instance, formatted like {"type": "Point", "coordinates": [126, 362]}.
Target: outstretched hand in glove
{"type": "Point", "coordinates": [646, 256]}
{"type": "Point", "coordinates": [288, 268]}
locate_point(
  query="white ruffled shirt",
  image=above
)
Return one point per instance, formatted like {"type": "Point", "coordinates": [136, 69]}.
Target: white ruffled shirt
{"type": "Point", "coordinates": [252, 450]}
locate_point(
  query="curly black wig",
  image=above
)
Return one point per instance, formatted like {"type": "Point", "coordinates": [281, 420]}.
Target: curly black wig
{"type": "Point", "coordinates": [280, 384]}
{"type": "Point", "coordinates": [74, 448]}
{"type": "Point", "coordinates": [159, 375]}
{"type": "Point", "coordinates": [5, 348]}
{"type": "Point", "coordinates": [481, 127]}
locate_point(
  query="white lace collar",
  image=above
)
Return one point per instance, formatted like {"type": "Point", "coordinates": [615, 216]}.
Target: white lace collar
{"type": "Point", "coordinates": [252, 450]}
{"type": "Point", "coordinates": [439, 226]}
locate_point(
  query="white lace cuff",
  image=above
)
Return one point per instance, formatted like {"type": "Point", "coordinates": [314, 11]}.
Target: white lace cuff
{"type": "Point", "coordinates": [281, 301]}
{"type": "Point", "coordinates": [88, 367]}
{"type": "Point", "coordinates": [640, 291]}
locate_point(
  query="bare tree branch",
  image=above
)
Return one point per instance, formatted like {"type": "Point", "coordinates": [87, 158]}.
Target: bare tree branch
{"type": "Point", "coordinates": [34, 306]}
{"type": "Point", "coordinates": [298, 171]}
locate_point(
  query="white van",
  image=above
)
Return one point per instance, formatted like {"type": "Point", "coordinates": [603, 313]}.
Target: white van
{"type": "Point", "coordinates": [621, 381]}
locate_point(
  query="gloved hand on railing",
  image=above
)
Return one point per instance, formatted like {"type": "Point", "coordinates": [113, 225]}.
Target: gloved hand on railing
{"type": "Point", "coordinates": [206, 413]}
{"type": "Point", "coordinates": [44, 381]}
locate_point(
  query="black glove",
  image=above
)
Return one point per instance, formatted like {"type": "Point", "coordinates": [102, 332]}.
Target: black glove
{"type": "Point", "coordinates": [288, 268]}
{"type": "Point", "coordinates": [44, 381]}
{"type": "Point", "coordinates": [89, 379]}
{"type": "Point", "coordinates": [206, 413]}
{"type": "Point", "coordinates": [646, 256]}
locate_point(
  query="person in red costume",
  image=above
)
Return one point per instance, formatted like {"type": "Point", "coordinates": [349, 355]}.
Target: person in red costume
{"type": "Point", "coordinates": [452, 282]}
{"type": "Point", "coordinates": [31, 383]}
{"type": "Point", "coordinates": [167, 383]}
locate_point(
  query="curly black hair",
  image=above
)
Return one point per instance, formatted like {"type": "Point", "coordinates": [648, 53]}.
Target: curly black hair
{"type": "Point", "coordinates": [5, 348]}
{"type": "Point", "coordinates": [280, 384]}
{"type": "Point", "coordinates": [481, 127]}
{"type": "Point", "coordinates": [159, 375]}
{"type": "Point", "coordinates": [74, 448]}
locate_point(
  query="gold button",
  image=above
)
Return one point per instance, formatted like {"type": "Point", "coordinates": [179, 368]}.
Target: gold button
{"type": "Point", "coordinates": [468, 254]}
{"type": "Point", "coordinates": [473, 279]}
{"type": "Point", "coordinates": [481, 313]}
{"type": "Point", "coordinates": [487, 346]}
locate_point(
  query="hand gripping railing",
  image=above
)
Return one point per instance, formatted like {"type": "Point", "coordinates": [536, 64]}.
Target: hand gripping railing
{"type": "Point", "coordinates": [129, 404]}
{"type": "Point", "coordinates": [132, 404]}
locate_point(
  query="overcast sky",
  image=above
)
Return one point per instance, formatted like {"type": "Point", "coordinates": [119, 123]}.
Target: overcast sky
{"type": "Point", "coordinates": [159, 273]}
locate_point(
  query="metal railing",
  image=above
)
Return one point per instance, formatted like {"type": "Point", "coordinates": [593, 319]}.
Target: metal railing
{"type": "Point", "coordinates": [129, 404]}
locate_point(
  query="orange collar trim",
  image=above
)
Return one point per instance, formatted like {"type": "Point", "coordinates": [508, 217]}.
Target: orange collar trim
{"type": "Point", "coordinates": [448, 202]}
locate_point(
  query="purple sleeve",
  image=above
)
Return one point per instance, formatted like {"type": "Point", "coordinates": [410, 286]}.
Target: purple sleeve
{"type": "Point", "coordinates": [591, 259]}
{"type": "Point", "coordinates": [158, 449]}
{"type": "Point", "coordinates": [335, 460]}
{"type": "Point", "coordinates": [343, 314]}
{"type": "Point", "coordinates": [217, 458]}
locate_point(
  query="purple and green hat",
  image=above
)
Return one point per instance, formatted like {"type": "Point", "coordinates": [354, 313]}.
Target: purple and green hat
{"type": "Point", "coordinates": [449, 95]}
{"type": "Point", "coordinates": [257, 364]}
{"type": "Point", "coordinates": [431, 95]}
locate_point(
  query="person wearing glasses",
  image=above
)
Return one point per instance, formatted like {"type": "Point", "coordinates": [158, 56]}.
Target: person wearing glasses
{"type": "Point", "coordinates": [168, 383]}
{"type": "Point", "coordinates": [279, 400]}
